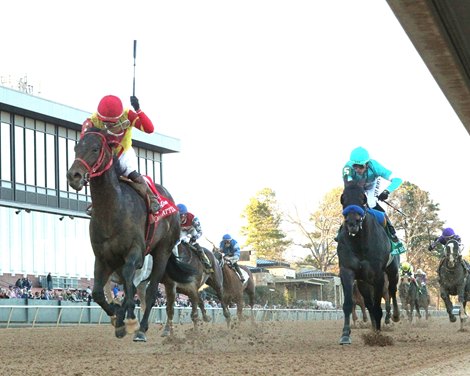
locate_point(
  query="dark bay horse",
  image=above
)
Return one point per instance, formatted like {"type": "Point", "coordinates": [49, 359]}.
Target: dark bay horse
{"type": "Point", "coordinates": [454, 280]}
{"type": "Point", "coordinates": [364, 253]}
{"type": "Point", "coordinates": [234, 288]}
{"type": "Point", "coordinates": [192, 289]}
{"type": "Point", "coordinates": [358, 300]}
{"type": "Point", "coordinates": [408, 291]}
{"type": "Point", "coordinates": [118, 233]}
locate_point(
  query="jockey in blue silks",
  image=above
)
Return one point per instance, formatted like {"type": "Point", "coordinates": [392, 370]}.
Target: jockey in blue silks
{"type": "Point", "coordinates": [231, 250]}
{"type": "Point", "coordinates": [365, 171]}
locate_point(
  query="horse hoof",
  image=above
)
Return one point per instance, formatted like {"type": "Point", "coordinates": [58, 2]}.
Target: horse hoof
{"type": "Point", "coordinates": [167, 332]}
{"type": "Point", "coordinates": [140, 337]}
{"type": "Point", "coordinates": [452, 318]}
{"type": "Point", "coordinates": [345, 340]}
{"type": "Point", "coordinates": [113, 321]}
{"type": "Point", "coordinates": [120, 332]}
{"type": "Point", "coordinates": [132, 325]}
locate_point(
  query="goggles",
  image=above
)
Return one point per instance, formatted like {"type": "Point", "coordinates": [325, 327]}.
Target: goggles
{"type": "Point", "coordinates": [118, 128]}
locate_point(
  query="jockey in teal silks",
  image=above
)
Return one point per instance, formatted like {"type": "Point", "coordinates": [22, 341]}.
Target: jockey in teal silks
{"type": "Point", "coordinates": [365, 171]}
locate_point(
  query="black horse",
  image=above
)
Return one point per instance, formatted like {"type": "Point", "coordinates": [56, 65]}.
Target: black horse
{"type": "Point", "coordinates": [454, 280]}
{"type": "Point", "coordinates": [191, 289]}
{"type": "Point", "coordinates": [118, 233]}
{"type": "Point", "coordinates": [364, 253]}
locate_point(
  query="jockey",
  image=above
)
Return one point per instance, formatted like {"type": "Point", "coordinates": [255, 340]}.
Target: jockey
{"type": "Point", "coordinates": [119, 122]}
{"type": "Point", "coordinates": [421, 273]}
{"type": "Point", "coordinates": [191, 231]}
{"type": "Point", "coordinates": [406, 269]}
{"type": "Point", "coordinates": [365, 171]}
{"type": "Point", "coordinates": [231, 250]}
{"type": "Point", "coordinates": [447, 234]}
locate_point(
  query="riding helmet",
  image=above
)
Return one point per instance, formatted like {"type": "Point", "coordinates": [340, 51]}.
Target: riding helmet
{"type": "Point", "coordinates": [110, 109]}
{"type": "Point", "coordinates": [406, 266]}
{"type": "Point", "coordinates": [359, 156]}
{"type": "Point", "coordinates": [448, 232]}
{"type": "Point", "coordinates": [182, 208]}
{"type": "Point", "coordinates": [226, 237]}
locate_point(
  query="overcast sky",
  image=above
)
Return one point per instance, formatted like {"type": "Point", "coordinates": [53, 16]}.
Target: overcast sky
{"type": "Point", "coordinates": [261, 93]}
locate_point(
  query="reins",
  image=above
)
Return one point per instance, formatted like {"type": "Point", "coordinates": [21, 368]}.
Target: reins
{"type": "Point", "coordinates": [93, 171]}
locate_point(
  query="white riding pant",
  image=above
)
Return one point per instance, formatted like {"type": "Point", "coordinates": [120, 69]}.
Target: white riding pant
{"type": "Point", "coordinates": [128, 161]}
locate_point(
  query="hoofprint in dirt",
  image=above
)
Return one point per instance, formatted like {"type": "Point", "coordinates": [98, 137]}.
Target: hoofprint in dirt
{"type": "Point", "coordinates": [269, 348]}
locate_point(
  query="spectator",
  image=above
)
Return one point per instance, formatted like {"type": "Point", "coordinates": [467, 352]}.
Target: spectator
{"type": "Point", "coordinates": [49, 281]}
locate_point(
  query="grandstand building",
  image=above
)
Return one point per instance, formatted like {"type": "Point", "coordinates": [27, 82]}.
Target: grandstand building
{"type": "Point", "coordinates": [43, 223]}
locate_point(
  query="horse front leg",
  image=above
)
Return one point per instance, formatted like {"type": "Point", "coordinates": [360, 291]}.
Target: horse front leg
{"type": "Point", "coordinates": [101, 277]}
{"type": "Point", "coordinates": [170, 290]}
{"type": "Point", "coordinates": [392, 294]}
{"type": "Point", "coordinates": [158, 269]}
{"type": "Point", "coordinates": [445, 297]}
{"type": "Point", "coordinates": [347, 278]}
{"type": "Point", "coordinates": [128, 305]}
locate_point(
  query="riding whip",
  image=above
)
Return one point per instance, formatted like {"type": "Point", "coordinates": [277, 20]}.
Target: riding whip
{"type": "Point", "coordinates": [133, 83]}
{"type": "Point", "coordinates": [394, 208]}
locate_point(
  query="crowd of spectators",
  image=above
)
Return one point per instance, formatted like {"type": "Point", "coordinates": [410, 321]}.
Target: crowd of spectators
{"type": "Point", "coordinates": [23, 290]}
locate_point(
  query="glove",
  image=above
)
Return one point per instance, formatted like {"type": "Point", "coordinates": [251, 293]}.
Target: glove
{"type": "Point", "coordinates": [384, 195]}
{"type": "Point", "coordinates": [135, 103]}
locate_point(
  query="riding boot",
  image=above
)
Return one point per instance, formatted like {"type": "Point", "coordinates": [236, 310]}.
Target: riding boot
{"type": "Point", "coordinates": [237, 268]}
{"type": "Point", "coordinates": [203, 257]}
{"type": "Point", "coordinates": [392, 231]}
{"type": "Point", "coordinates": [144, 190]}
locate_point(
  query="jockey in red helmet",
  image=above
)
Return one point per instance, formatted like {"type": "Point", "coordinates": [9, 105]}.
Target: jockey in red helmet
{"type": "Point", "coordinates": [191, 230]}
{"type": "Point", "coordinates": [118, 122]}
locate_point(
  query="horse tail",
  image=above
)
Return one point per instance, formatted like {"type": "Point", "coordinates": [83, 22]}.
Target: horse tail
{"type": "Point", "coordinates": [180, 271]}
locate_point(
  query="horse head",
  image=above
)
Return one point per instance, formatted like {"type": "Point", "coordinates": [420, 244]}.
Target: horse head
{"type": "Point", "coordinates": [452, 253]}
{"type": "Point", "coordinates": [93, 157]}
{"type": "Point", "coordinates": [354, 202]}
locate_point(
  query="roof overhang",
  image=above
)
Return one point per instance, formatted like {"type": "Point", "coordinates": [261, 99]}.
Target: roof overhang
{"type": "Point", "coordinates": [440, 32]}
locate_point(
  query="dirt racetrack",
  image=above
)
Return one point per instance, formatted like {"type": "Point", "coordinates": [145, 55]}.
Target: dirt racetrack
{"type": "Point", "coordinates": [435, 347]}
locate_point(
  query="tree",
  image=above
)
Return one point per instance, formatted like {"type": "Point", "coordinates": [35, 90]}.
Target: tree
{"type": "Point", "coordinates": [263, 230]}
{"type": "Point", "coordinates": [417, 225]}
{"type": "Point", "coordinates": [319, 233]}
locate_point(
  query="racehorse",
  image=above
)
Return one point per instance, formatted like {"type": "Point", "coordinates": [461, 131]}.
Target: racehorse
{"type": "Point", "coordinates": [364, 253]}
{"type": "Point", "coordinates": [234, 288]}
{"type": "Point", "coordinates": [118, 232]}
{"type": "Point", "coordinates": [424, 299]}
{"type": "Point", "coordinates": [408, 291]}
{"type": "Point", "coordinates": [191, 289]}
{"type": "Point", "coordinates": [359, 300]}
{"type": "Point", "coordinates": [454, 280]}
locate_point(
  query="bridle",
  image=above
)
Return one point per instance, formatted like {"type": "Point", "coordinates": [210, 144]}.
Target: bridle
{"type": "Point", "coordinates": [357, 210]}
{"type": "Point", "coordinates": [93, 171]}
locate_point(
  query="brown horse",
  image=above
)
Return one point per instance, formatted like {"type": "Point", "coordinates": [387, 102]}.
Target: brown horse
{"type": "Point", "coordinates": [408, 291]}
{"type": "Point", "coordinates": [423, 295]}
{"type": "Point", "coordinates": [118, 233]}
{"type": "Point", "coordinates": [234, 288]}
{"type": "Point", "coordinates": [191, 289]}
{"type": "Point", "coordinates": [359, 300]}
